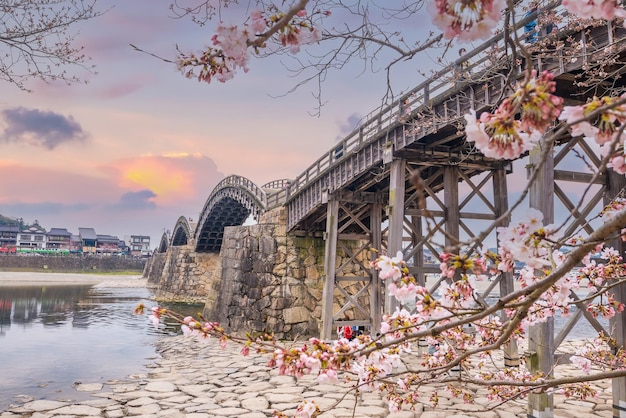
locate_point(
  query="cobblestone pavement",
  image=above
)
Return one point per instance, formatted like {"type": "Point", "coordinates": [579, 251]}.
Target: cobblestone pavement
{"type": "Point", "coordinates": [202, 380]}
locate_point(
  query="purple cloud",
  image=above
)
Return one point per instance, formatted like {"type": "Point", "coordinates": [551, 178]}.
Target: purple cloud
{"type": "Point", "coordinates": [137, 200]}
{"type": "Point", "coordinates": [40, 128]}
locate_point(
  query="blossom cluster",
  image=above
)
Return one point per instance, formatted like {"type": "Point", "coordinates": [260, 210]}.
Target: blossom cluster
{"type": "Point", "coordinates": [597, 9]}
{"type": "Point", "coordinates": [231, 44]}
{"type": "Point", "coordinates": [609, 113]}
{"type": "Point", "coordinates": [469, 20]}
{"type": "Point", "coordinates": [501, 135]}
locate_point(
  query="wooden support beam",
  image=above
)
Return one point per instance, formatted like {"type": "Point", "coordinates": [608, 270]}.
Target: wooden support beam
{"type": "Point", "coordinates": [577, 177]}
{"type": "Point", "coordinates": [396, 218]}
{"type": "Point", "coordinates": [376, 291]}
{"type": "Point", "coordinates": [451, 202]}
{"type": "Point", "coordinates": [507, 282]}
{"type": "Point", "coordinates": [616, 182]}
{"type": "Point", "coordinates": [541, 336]}
{"type": "Point", "coordinates": [330, 259]}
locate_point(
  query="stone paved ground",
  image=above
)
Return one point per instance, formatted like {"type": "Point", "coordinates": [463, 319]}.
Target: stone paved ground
{"type": "Point", "coordinates": [201, 380]}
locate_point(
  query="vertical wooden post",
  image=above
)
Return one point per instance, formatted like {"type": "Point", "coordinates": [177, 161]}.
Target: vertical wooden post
{"type": "Point", "coordinates": [396, 218]}
{"type": "Point", "coordinates": [418, 259]}
{"type": "Point", "coordinates": [616, 182]}
{"type": "Point", "coordinates": [507, 283]}
{"type": "Point", "coordinates": [330, 260]}
{"type": "Point", "coordinates": [541, 336]}
{"type": "Point", "coordinates": [451, 200]}
{"type": "Point", "coordinates": [376, 306]}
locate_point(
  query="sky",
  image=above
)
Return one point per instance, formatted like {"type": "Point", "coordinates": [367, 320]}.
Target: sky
{"type": "Point", "coordinates": [140, 145]}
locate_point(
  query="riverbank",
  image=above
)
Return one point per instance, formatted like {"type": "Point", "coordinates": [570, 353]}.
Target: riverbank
{"type": "Point", "coordinates": [52, 279]}
{"type": "Point", "coordinates": [70, 264]}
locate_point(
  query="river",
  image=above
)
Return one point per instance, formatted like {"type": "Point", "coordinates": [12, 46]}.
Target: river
{"type": "Point", "coordinates": [54, 337]}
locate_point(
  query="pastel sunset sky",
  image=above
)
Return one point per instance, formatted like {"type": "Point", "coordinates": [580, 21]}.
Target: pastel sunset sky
{"type": "Point", "coordinates": [140, 145]}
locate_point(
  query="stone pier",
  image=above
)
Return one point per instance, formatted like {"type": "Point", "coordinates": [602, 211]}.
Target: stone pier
{"type": "Point", "coordinates": [263, 279]}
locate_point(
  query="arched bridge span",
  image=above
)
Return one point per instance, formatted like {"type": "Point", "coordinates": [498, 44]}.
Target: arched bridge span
{"type": "Point", "coordinates": [164, 243]}
{"type": "Point", "coordinates": [183, 232]}
{"type": "Point", "coordinates": [229, 204]}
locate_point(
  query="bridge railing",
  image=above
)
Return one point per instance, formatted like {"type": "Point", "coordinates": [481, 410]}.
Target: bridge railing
{"type": "Point", "coordinates": [277, 184]}
{"type": "Point", "coordinates": [381, 120]}
{"type": "Point", "coordinates": [242, 182]}
{"type": "Point", "coordinates": [276, 192]}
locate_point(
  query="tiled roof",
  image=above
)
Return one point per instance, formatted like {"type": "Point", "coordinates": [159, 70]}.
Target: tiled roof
{"type": "Point", "coordinates": [59, 231]}
{"type": "Point", "coordinates": [108, 238]}
{"type": "Point", "coordinates": [87, 233]}
{"type": "Point", "coordinates": [9, 228]}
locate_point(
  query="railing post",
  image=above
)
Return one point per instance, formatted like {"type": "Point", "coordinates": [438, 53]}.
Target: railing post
{"type": "Point", "coordinates": [541, 336]}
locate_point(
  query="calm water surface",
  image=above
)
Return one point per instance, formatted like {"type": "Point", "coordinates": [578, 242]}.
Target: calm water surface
{"type": "Point", "coordinates": [53, 337]}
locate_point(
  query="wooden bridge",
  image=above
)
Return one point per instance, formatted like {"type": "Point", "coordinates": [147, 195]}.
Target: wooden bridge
{"type": "Point", "coordinates": [407, 180]}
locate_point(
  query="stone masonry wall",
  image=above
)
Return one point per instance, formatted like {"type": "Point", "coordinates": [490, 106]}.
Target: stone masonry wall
{"type": "Point", "coordinates": [269, 281]}
{"type": "Point", "coordinates": [69, 263]}
{"type": "Point", "coordinates": [181, 275]}
{"type": "Point", "coordinates": [263, 280]}
{"type": "Point", "coordinates": [154, 268]}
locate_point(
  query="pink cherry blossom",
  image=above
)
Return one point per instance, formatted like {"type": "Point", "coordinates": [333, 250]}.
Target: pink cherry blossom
{"type": "Point", "coordinates": [467, 20]}
{"type": "Point", "coordinates": [390, 268]}
{"type": "Point", "coordinates": [598, 9]}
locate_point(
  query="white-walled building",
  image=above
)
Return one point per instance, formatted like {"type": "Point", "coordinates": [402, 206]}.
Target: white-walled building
{"type": "Point", "coordinates": [33, 237]}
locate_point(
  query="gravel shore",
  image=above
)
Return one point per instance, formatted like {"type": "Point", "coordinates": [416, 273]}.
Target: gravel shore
{"type": "Point", "coordinates": [8, 278]}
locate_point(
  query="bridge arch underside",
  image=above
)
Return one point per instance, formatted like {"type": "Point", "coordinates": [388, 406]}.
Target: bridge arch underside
{"type": "Point", "coordinates": [180, 236]}
{"type": "Point", "coordinates": [225, 212]}
{"type": "Point", "coordinates": [164, 244]}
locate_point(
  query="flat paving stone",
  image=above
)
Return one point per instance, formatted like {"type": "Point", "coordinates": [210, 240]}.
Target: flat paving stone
{"type": "Point", "coordinates": [204, 381]}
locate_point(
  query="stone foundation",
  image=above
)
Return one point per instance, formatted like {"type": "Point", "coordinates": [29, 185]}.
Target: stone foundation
{"type": "Point", "coordinates": [181, 275]}
{"type": "Point", "coordinates": [263, 280]}
{"type": "Point", "coordinates": [269, 281]}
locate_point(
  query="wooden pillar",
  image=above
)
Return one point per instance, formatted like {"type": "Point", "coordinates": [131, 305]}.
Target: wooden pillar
{"type": "Point", "coordinates": [616, 182]}
{"type": "Point", "coordinates": [418, 259]}
{"type": "Point", "coordinates": [376, 291]}
{"type": "Point", "coordinates": [507, 283]}
{"type": "Point", "coordinates": [451, 201]}
{"type": "Point", "coordinates": [541, 336]}
{"type": "Point", "coordinates": [330, 261]}
{"type": "Point", "coordinates": [396, 218]}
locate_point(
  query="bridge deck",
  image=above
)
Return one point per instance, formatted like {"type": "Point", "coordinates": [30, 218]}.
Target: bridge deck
{"type": "Point", "coordinates": [432, 133]}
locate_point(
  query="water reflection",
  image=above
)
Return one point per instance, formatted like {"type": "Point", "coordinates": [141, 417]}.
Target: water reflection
{"type": "Point", "coordinates": [54, 336]}
{"type": "Point", "coordinates": [50, 305]}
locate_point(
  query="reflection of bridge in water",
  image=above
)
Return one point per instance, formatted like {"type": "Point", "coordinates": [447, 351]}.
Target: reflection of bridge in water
{"type": "Point", "coordinates": [407, 180]}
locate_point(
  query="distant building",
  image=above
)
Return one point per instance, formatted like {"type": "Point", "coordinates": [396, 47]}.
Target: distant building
{"type": "Point", "coordinates": [139, 245]}
{"type": "Point", "coordinates": [107, 244]}
{"type": "Point", "coordinates": [19, 239]}
{"type": "Point", "coordinates": [76, 246]}
{"type": "Point", "coordinates": [58, 238]}
{"type": "Point", "coordinates": [124, 248]}
{"type": "Point", "coordinates": [88, 240]}
{"type": "Point", "coordinates": [8, 235]}
{"type": "Point", "coordinates": [33, 237]}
